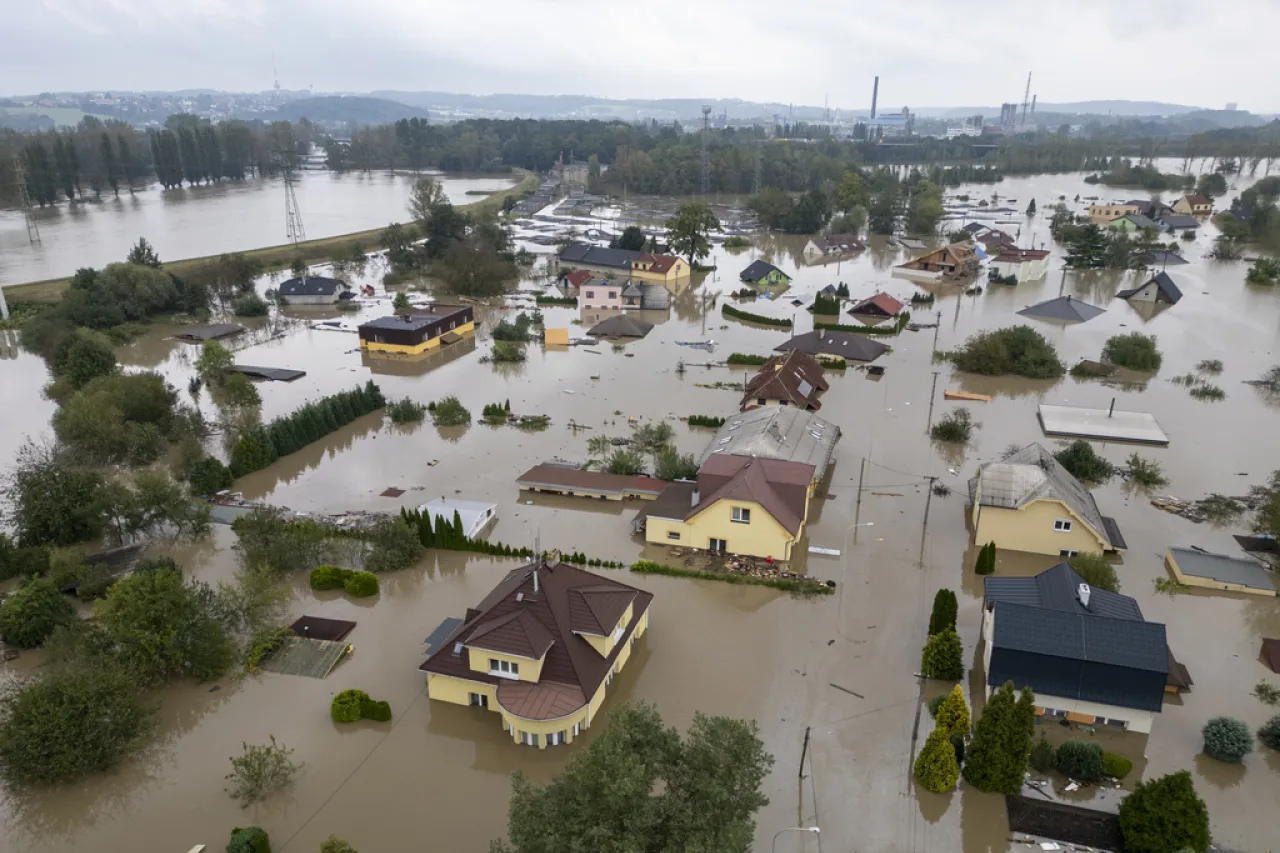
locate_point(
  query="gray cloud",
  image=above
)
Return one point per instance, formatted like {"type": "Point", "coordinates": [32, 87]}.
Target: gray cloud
{"type": "Point", "coordinates": [927, 52]}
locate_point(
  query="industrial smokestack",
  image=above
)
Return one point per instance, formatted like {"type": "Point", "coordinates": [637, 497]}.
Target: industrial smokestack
{"type": "Point", "coordinates": [1033, 104]}
{"type": "Point", "coordinates": [875, 95]}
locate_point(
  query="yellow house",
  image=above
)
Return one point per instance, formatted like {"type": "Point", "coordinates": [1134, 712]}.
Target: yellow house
{"type": "Point", "coordinates": [739, 505]}
{"type": "Point", "coordinates": [1101, 214]}
{"type": "Point", "coordinates": [660, 269]}
{"type": "Point", "coordinates": [417, 332]}
{"type": "Point", "coordinates": [541, 651]}
{"type": "Point", "coordinates": [1029, 502]}
{"type": "Point", "coordinates": [1194, 205]}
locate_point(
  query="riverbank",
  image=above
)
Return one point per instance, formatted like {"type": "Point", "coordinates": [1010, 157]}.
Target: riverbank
{"type": "Point", "coordinates": [277, 257]}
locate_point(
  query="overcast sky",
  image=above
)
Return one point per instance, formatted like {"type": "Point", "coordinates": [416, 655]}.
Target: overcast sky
{"type": "Point", "coordinates": [927, 52]}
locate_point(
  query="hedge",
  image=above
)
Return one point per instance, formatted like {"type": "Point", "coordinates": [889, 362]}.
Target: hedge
{"type": "Point", "coordinates": [556, 300]}
{"type": "Point", "coordinates": [375, 710]}
{"type": "Point", "coordinates": [361, 584]}
{"type": "Point", "coordinates": [258, 447]}
{"type": "Point", "coordinates": [329, 577]}
{"type": "Point", "coordinates": [800, 585]}
{"type": "Point", "coordinates": [743, 358]}
{"type": "Point", "coordinates": [346, 706]}
{"type": "Point", "coordinates": [738, 314]}
{"type": "Point", "coordinates": [706, 421]}
{"type": "Point", "coordinates": [885, 331]}
{"type": "Point", "coordinates": [1116, 766]}
{"type": "Point", "coordinates": [449, 536]}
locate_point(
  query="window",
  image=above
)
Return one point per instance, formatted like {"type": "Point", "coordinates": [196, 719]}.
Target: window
{"type": "Point", "coordinates": [1062, 525]}
{"type": "Point", "coordinates": [671, 534]}
{"type": "Point", "coordinates": [741, 515]}
{"type": "Point", "coordinates": [504, 668]}
{"type": "Point", "coordinates": [760, 401]}
{"type": "Point", "coordinates": [613, 294]}
{"type": "Point", "coordinates": [591, 294]}
{"type": "Point", "coordinates": [617, 634]}
{"type": "Point", "coordinates": [555, 738]}
{"type": "Point", "coordinates": [478, 700]}
{"type": "Point", "coordinates": [528, 738]}
{"type": "Point", "coordinates": [577, 729]}
{"type": "Point", "coordinates": [1065, 552]}
{"type": "Point", "coordinates": [718, 545]}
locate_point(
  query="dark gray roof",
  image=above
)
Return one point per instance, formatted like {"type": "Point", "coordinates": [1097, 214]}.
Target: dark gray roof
{"type": "Point", "coordinates": [1140, 221]}
{"type": "Point", "coordinates": [1168, 258]}
{"type": "Point", "coordinates": [1164, 283]}
{"type": "Point", "coordinates": [312, 285]}
{"type": "Point", "coordinates": [1122, 662]}
{"type": "Point", "coordinates": [1224, 569]}
{"type": "Point", "coordinates": [974, 227]}
{"type": "Point", "coordinates": [408, 322]}
{"type": "Point", "coordinates": [275, 374]}
{"type": "Point", "coordinates": [848, 345]}
{"type": "Point", "coordinates": [621, 326]}
{"type": "Point", "coordinates": [210, 332]}
{"type": "Point", "coordinates": [757, 270]}
{"type": "Point", "coordinates": [597, 256]}
{"type": "Point", "coordinates": [1063, 308]}
{"type": "Point", "coordinates": [1180, 221]}
{"type": "Point", "coordinates": [1058, 589]}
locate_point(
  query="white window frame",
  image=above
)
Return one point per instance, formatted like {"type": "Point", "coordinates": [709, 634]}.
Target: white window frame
{"type": "Point", "coordinates": [1067, 552]}
{"type": "Point", "coordinates": [555, 738]}
{"type": "Point", "coordinates": [529, 738]}
{"type": "Point", "coordinates": [724, 544]}
{"type": "Point", "coordinates": [740, 514]}
{"type": "Point", "coordinates": [577, 729]}
{"type": "Point", "coordinates": [1062, 525]}
{"type": "Point", "coordinates": [504, 668]}
{"type": "Point", "coordinates": [617, 634]}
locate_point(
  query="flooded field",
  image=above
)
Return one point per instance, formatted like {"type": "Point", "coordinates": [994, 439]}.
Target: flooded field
{"type": "Point", "coordinates": [444, 770]}
{"type": "Point", "coordinates": [195, 221]}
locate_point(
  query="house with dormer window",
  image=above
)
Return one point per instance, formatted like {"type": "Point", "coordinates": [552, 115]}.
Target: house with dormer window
{"type": "Point", "coordinates": [540, 650]}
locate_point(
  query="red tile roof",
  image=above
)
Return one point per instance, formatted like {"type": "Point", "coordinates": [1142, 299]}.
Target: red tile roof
{"type": "Point", "coordinates": [1198, 199]}
{"type": "Point", "coordinates": [656, 263]}
{"type": "Point", "coordinates": [517, 633]}
{"type": "Point", "coordinates": [578, 277]}
{"type": "Point", "coordinates": [784, 377]}
{"type": "Point", "coordinates": [1012, 255]}
{"type": "Point", "coordinates": [881, 303]}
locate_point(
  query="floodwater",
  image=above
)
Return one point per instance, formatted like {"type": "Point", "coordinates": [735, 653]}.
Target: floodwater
{"type": "Point", "coordinates": [723, 649]}
{"type": "Point", "coordinates": [195, 221]}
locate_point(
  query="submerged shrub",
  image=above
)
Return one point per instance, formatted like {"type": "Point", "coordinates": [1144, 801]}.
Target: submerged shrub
{"type": "Point", "coordinates": [329, 577]}
{"type": "Point", "coordinates": [1080, 760]}
{"type": "Point", "coordinates": [1115, 766]}
{"type": "Point", "coordinates": [361, 584]}
{"type": "Point", "coordinates": [347, 705]}
{"type": "Point", "coordinates": [1135, 351]}
{"type": "Point", "coordinates": [1227, 739]}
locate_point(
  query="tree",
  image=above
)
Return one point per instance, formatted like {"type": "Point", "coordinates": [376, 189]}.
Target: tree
{"type": "Point", "coordinates": [986, 563]}
{"type": "Point", "coordinates": [623, 461]}
{"type": "Point", "coordinates": [943, 616]}
{"type": "Point", "coordinates": [882, 215]}
{"type": "Point", "coordinates": [936, 767]}
{"type": "Point", "coordinates": [1269, 733]}
{"type": "Point", "coordinates": [1165, 814]}
{"type": "Point", "coordinates": [669, 464]}
{"type": "Point", "coordinates": [400, 304]}
{"type": "Point", "coordinates": [159, 627]}
{"type": "Point", "coordinates": [1134, 350]}
{"type": "Point", "coordinates": [1001, 741]}
{"type": "Point", "coordinates": [1227, 739]}
{"type": "Point", "coordinates": [631, 239]}
{"type": "Point", "coordinates": [213, 362]}
{"type": "Point", "coordinates": [851, 193]}
{"type": "Point", "coordinates": [334, 844]}
{"type": "Point", "coordinates": [426, 198]}
{"type": "Point", "coordinates": [688, 231]}
{"type": "Point", "coordinates": [1084, 463]}
{"type": "Point", "coordinates": [1031, 208]}
{"type": "Point", "coordinates": [641, 787]}
{"type": "Point", "coordinates": [249, 839]}
{"type": "Point", "coordinates": [86, 358]}
{"type": "Point", "coordinates": [143, 254]}
{"type": "Point", "coordinates": [1095, 570]}
{"type": "Point", "coordinates": [1213, 185]}
{"type": "Point", "coordinates": [68, 723]}
{"type": "Point", "coordinates": [925, 210]}
{"type": "Point", "coordinates": [810, 214]}
{"type": "Point", "coordinates": [1080, 760]}
{"type": "Point", "coordinates": [49, 501]}
{"type": "Point", "coordinates": [953, 713]}
{"type": "Point", "coordinates": [1086, 247]}
{"type": "Point", "coordinates": [943, 656]}
{"type": "Point", "coordinates": [32, 612]}
{"type": "Point", "coordinates": [1018, 350]}
{"type": "Point", "coordinates": [772, 205]}
{"type": "Point", "coordinates": [469, 268]}
{"type": "Point", "coordinates": [260, 771]}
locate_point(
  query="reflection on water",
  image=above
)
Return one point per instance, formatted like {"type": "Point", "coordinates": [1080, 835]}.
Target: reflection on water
{"type": "Point", "coordinates": [197, 221]}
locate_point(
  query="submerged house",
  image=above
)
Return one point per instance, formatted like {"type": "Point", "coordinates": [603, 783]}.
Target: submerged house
{"type": "Point", "coordinates": [598, 293]}
{"type": "Point", "coordinates": [417, 332]}
{"type": "Point", "coordinates": [1194, 205]}
{"type": "Point", "coordinates": [1022, 264]}
{"type": "Point", "coordinates": [1029, 502]}
{"type": "Point", "coordinates": [1159, 288]}
{"type": "Point", "coordinates": [540, 650]}
{"type": "Point", "coordinates": [794, 379]}
{"type": "Point", "coordinates": [1101, 214]}
{"type": "Point", "coordinates": [312, 290]}
{"type": "Point", "coordinates": [763, 273]}
{"type": "Point", "coordinates": [850, 346]}
{"type": "Point", "coordinates": [957, 260]}
{"type": "Point", "coordinates": [831, 245]}
{"type": "Point", "coordinates": [625, 263]}
{"type": "Point", "coordinates": [880, 305]}
{"type": "Point", "coordinates": [1088, 654]}
{"type": "Point", "coordinates": [1062, 309]}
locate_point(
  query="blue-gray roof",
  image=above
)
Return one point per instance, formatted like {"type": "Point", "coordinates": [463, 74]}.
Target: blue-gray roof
{"type": "Point", "coordinates": [757, 270]}
{"type": "Point", "coordinates": [1121, 662]}
{"type": "Point", "coordinates": [312, 285]}
{"type": "Point", "coordinates": [1164, 283]}
{"type": "Point", "coordinates": [1058, 589]}
{"type": "Point", "coordinates": [411, 322]}
{"type": "Point", "coordinates": [1063, 308]}
{"type": "Point", "coordinates": [597, 256]}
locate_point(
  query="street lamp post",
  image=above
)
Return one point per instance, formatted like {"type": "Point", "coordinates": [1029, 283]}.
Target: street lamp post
{"type": "Point", "coordinates": [815, 830]}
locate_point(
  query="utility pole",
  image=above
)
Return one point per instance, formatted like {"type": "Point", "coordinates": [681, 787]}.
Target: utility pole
{"type": "Point", "coordinates": [857, 507]}
{"type": "Point", "coordinates": [933, 393]}
{"type": "Point", "coordinates": [294, 229]}
{"type": "Point", "coordinates": [755, 186]}
{"type": "Point", "coordinates": [937, 327]}
{"type": "Point", "coordinates": [924, 528]}
{"type": "Point", "coordinates": [24, 201]}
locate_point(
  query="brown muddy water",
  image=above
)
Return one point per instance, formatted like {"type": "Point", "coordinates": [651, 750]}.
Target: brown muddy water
{"type": "Point", "coordinates": [195, 221]}
{"type": "Point", "coordinates": [442, 772]}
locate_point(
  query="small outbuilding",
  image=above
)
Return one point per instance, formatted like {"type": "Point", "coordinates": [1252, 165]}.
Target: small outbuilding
{"type": "Point", "coordinates": [1270, 653]}
{"type": "Point", "coordinates": [1157, 289]}
{"type": "Point", "coordinates": [880, 305]}
{"type": "Point", "coordinates": [621, 326]}
{"type": "Point", "coordinates": [847, 345]}
{"type": "Point", "coordinates": [1205, 569]}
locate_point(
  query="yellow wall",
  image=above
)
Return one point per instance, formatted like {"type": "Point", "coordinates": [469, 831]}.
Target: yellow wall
{"type": "Point", "coordinates": [417, 349]}
{"type": "Point", "coordinates": [1030, 529]}
{"type": "Point", "coordinates": [446, 688]}
{"type": "Point", "coordinates": [763, 537]}
{"type": "Point", "coordinates": [1100, 214]}
{"type": "Point", "coordinates": [604, 645]}
{"type": "Point", "coordinates": [1210, 583]}
{"type": "Point", "coordinates": [678, 270]}
{"type": "Point", "coordinates": [530, 669]}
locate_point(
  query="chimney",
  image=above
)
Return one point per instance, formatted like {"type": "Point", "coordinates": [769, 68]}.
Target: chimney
{"type": "Point", "coordinates": [697, 497]}
{"type": "Point", "coordinates": [535, 581]}
{"type": "Point", "coordinates": [1083, 592]}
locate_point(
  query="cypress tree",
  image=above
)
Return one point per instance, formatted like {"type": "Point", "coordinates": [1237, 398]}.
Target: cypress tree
{"type": "Point", "coordinates": [936, 766]}
{"type": "Point", "coordinates": [458, 528]}
{"type": "Point", "coordinates": [126, 161]}
{"type": "Point", "coordinates": [425, 534]}
{"type": "Point", "coordinates": [953, 713]}
{"type": "Point", "coordinates": [376, 400]}
{"type": "Point", "coordinates": [944, 612]}
{"type": "Point", "coordinates": [997, 756]}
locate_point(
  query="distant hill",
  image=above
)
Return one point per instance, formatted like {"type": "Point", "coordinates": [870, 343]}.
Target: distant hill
{"type": "Point", "coordinates": [1136, 109]}
{"type": "Point", "coordinates": [353, 108]}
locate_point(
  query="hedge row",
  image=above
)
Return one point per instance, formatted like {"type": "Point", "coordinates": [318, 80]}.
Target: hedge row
{"type": "Point", "coordinates": [449, 536]}
{"type": "Point", "coordinates": [738, 314]}
{"type": "Point", "coordinates": [357, 584]}
{"type": "Point", "coordinates": [706, 421]}
{"type": "Point", "coordinates": [886, 331]}
{"type": "Point", "coordinates": [800, 585]}
{"type": "Point", "coordinates": [258, 447]}
{"type": "Point", "coordinates": [743, 358]}
{"type": "Point", "coordinates": [557, 300]}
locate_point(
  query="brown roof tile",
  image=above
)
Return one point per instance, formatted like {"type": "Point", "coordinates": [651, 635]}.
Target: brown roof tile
{"type": "Point", "coordinates": [780, 487]}
{"type": "Point", "coordinates": [658, 263]}
{"type": "Point", "coordinates": [516, 633]}
{"type": "Point", "coordinates": [569, 661]}
{"type": "Point", "coordinates": [539, 701]}
{"type": "Point", "coordinates": [882, 304]}
{"type": "Point", "coordinates": [796, 377]}
{"type": "Point", "coordinates": [596, 610]}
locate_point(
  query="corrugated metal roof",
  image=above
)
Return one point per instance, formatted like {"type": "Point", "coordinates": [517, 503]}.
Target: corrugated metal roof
{"type": "Point", "coordinates": [777, 432]}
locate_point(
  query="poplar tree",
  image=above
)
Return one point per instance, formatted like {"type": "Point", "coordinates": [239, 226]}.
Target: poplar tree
{"type": "Point", "coordinates": [109, 164]}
